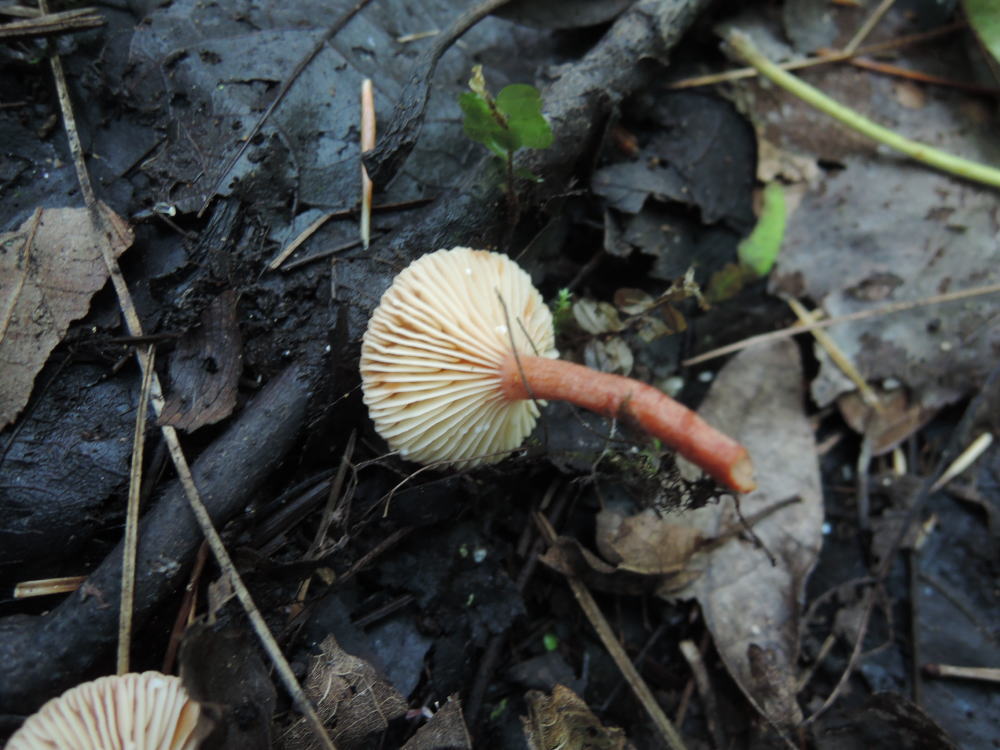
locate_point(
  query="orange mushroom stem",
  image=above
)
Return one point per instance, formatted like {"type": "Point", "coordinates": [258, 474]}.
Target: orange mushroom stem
{"type": "Point", "coordinates": [634, 402]}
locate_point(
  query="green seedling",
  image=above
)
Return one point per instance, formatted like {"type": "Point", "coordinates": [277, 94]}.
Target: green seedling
{"type": "Point", "coordinates": [757, 252]}
{"type": "Point", "coordinates": [505, 124]}
{"type": "Point", "coordinates": [562, 310]}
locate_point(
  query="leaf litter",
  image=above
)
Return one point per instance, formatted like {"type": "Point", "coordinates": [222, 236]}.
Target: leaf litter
{"type": "Point", "coordinates": [646, 552]}
{"type": "Point", "coordinates": [50, 267]}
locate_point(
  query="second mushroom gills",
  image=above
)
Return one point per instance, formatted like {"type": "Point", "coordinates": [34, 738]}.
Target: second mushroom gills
{"type": "Point", "coordinates": [461, 349]}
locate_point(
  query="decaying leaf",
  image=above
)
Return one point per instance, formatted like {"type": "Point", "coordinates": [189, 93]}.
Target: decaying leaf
{"type": "Point", "coordinates": [445, 730]}
{"type": "Point", "coordinates": [50, 267]}
{"type": "Point", "coordinates": [562, 720]}
{"type": "Point", "coordinates": [610, 355]}
{"type": "Point", "coordinates": [646, 543]}
{"type": "Point", "coordinates": [750, 606]}
{"type": "Point", "coordinates": [596, 317]}
{"type": "Point", "coordinates": [205, 369]}
{"type": "Point", "coordinates": [354, 702]}
{"type": "Point", "coordinates": [884, 230]}
{"type": "Point", "coordinates": [636, 575]}
{"type": "Point", "coordinates": [888, 426]}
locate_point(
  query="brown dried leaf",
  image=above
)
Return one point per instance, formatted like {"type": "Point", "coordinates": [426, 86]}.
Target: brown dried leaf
{"type": "Point", "coordinates": [563, 720]}
{"type": "Point", "coordinates": [889, 426]}
{"type": "Point", "coordinates": [50, 267]}
{"type": "Point", "coordinates": [205, 369]}
{"type": "Point", "coordinates": [354, 702]}
{"type": "Point", "coordinates": [569, 557]}
{"type": "Point", "coordinates": [445, 730]}
{"type": "Point", "coordinates": [646, 543]}
{"type": "Point", "coordinates": [751, 606]}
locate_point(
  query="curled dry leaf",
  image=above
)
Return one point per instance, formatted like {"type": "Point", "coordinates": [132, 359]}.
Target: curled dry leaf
{"type": "Point", "coordinates": [569, 557]}
{"type": "Point", "coordinates": [355, 703]}
{"type": "Point", "coordinates": [752, 607]}
{"type": "Point", "coordinates": [563, 720]}
{"type": "Point", "coordinates": [645, 543]}
{"type": "Point", "coordinates": [50, 267]}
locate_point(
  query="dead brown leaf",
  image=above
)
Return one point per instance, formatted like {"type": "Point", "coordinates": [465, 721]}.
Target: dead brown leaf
{"type": "Point", "coordinates": [895, 420]}
{"type": "Point", "coordinates": [445, 730]}
{"type": "Point", "coordinates": [563, 720]}
{"type": "Point", "coordinates": [645, 543]}
{"type": "Point", "coordinates": [205, 369]}
{"type": "Point", "coordinates": [355, 703]}
{"type": "Point", "coordinates": [750, 606]}
{"type": "Point", "coordinates": [50, 267]}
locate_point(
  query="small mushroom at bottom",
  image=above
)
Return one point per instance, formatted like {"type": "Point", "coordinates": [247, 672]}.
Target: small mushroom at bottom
{"type": "Point", "coordinates": [147, 711]}
{"type": "Point", "coordinates": [461, 348]}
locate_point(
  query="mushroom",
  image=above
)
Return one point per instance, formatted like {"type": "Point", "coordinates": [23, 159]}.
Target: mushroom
{"type": "Point", "coordinates": [140, 711]}
{"type": "Point", "coordinates": [460, 351]}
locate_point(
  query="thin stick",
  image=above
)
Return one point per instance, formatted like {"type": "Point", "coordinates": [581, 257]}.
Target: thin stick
{"type": "Point", "coordinates": [965, 460]}
{"type": "Point", "coordinates": [367, 144]}
{"type": "Point", "coordinates": [112, 231]}
{"type": "Point", "coordinates": [702, 681]}
{"type": "Point", "coordinates": [796, 330]}
{"type": "Point", "coordinates": [292, 246]}
{"type": "Point", "coordinates": [987, 674]}
{"type": "Point", "coordinates": [47, 586]}
{"type": "Point", "coordinates": [52, 23]}
{"type": "Point", "coordinates": [186, 610]}
{"type": "Point", "coordinates": [614, 648]}
{"type": "Point", "coordinates": [870, 23]}
{"type": "Point", "coordinates": [921, 152]}
{"type": "Point", "coordinates": [832, 348]}
{"type": "Point", "coordinates": [917, 75]}
{"type": "Point", "coordinates": [131, 540]}
{"type": "Point", "coordinates": [737, 74]}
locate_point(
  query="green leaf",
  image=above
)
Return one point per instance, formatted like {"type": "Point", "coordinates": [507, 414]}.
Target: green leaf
{"type": "Point", "coordinates": [481, 125]}
{"type": "Point", "coordinates": [984, 18]}
{"type": "Point", "coordinates": [551, 641]}
{"type": "Point", "coordinates": [522, 105]}
{"type": "Point", "coordinates": [759, 251]}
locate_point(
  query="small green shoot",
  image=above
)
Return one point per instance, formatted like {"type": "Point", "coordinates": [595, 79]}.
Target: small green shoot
{"type": "Point", "coordinates": [757, 252]}
{"type": "Point", "coordinates": [498, 710]}
{"type": "Point", "coordinates": [550, 641]}
{"type": "Point", "coordinates": [562, 310]}
{"type": "Point", "coordinates": [505, 124]}
{"type": "Point", "coordinates": [760, 250]}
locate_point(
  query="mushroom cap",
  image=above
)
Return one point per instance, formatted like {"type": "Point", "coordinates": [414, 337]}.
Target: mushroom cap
{"type": "Point", "coordinates": [431, 357]}
{"type": "Point", "coordinates": [147, 711]}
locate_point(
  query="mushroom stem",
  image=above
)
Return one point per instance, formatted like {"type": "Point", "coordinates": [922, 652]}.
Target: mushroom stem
{"type": "Point", "coordinates": [636, 403]}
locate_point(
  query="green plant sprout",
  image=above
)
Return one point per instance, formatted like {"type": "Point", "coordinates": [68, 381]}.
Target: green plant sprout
{"type": "Point", "coordinates": [757, 252]}
{"type": "Point", "coordinates": [562, 310]}
{"type": "Point", "coordinates": [505, 124]}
